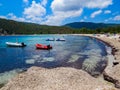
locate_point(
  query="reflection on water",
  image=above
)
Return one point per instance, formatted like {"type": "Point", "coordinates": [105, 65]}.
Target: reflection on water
{"type": "Point", "coordinates": [77, 51]}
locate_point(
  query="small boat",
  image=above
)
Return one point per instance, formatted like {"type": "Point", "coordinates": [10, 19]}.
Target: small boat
{"type": "Point", "coordinates": [60, 39]}
{"type": "Point", "coordinates": [15, 44]}
{"type": "Point", "coordinates": [44, 47]}
{"type": "Point", "coordinates": [50, 39]}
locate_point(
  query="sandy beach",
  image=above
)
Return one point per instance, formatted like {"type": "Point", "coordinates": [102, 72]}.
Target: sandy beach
{"type": "Point", "coordinates": [61, 78]}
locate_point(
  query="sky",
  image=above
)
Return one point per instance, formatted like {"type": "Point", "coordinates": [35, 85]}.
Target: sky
{"type": "Point", "coordinates": [60, 12]}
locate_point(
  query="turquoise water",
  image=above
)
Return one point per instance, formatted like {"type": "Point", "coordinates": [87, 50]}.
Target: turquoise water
{"type": "Point", "coordinates": [77, 52]}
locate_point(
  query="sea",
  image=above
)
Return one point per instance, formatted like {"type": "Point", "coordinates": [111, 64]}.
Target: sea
{"type": "Point", "coordinates": [80, 52]}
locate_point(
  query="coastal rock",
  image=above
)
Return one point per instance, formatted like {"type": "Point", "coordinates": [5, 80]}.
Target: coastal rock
{"type": "Point", "coordinates": [111, 79]}
{"type": "Point", "coordinates": [114, 50]}
{"type": "Point", "coordinates": [115, 74]}
{"type": "Point", "coordinates": [112, 74]}
{"type": "Point", "coordinates": [117, 84]}
{"type": "Point", "coordinates": [37, 78]}
{"type": "Point", "coordinates": [115, 63]}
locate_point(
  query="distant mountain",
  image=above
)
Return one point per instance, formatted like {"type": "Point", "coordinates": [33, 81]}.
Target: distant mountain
{"type": "Point", "coordinates": [89, 25]}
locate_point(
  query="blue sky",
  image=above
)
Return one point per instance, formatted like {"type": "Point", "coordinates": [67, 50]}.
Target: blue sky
{"type": "Point", "coordinates": [60, 12]}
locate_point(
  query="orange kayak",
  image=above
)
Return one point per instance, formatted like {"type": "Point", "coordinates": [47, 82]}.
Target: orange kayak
{"type": "Point", "coordinates": [44, 47]}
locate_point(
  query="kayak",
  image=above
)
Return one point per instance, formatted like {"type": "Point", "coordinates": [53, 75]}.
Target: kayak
{"type": "Point", "coordinates": [60, 39]}
{"type": "Point", "coordinates": [44, 47]}
{"type": "Point", "coordinates": [15, 44]}
{"type": "Point", "coordinates": [50, 39]}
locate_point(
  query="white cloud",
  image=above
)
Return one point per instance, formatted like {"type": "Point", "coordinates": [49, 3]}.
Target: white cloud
{"type": "Point", "coordinates": [3, 17]}
{"type": "Point", "coordinates": [81, 20]}
{"type": "Point", "coordinates": [59, 16]}
{"type": "Point", "coordinates": [107, 11]}
{"type": "Point", "coordinates": [98, 3]}
{"type": "Point", "coordinates": [109, 19]}
{"type": "Point", "coordinates": [85, 17]}
{"type": "Point", "coordinates": [13, 17]}
{"type": "Point", "coordinates": [25, 1]}
{"type": "Point", "coordinates": [44, 2]}
{"type": "Point", "coordinates": [33, 13]}
{"type": "Point", "coordinates": [35, 10]}
{"type": "Point", "coordinates": [116, 18]}
{"type": "Point", "coordinates": [96, 13]}
{"type": "Point", "coordinates": [65, 5]}
{"type": "Point", "coordinates": [63, 9]}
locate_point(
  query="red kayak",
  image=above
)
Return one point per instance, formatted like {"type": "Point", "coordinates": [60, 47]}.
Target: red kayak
{"type": "Point", "coordinates": [45, 47]}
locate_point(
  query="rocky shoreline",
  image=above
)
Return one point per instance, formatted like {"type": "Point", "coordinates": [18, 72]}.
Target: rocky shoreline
{"type": "Point", "coordinates": [112, 73]}
{"type": "Point", "coordinates": [66, 78]}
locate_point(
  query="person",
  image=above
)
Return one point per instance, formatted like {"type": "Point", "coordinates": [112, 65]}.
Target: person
{"type": "Point", "coordinates": [23, 44]}
{"type": "Point", "coordinates": [48, 46]}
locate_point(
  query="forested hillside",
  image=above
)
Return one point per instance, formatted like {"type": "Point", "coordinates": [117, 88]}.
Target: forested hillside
{"type": "Point", "coordinates": [14, 27]}
{"type": "Point", "coordinates": [89, 25]}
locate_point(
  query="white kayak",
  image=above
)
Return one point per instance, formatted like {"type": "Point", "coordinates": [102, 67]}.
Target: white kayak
{"type": "Point", "coordinates": [50, 39]}
{"type": "Point", "coordinates": [15, 44]}
{"type": "Point", "coordinates": [60, 39]}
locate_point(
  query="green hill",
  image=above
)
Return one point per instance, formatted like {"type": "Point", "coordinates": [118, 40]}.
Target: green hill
{"type": "Point", "coordinates": [89, 25]}
{"type": "Point", "coordinates": [14, 27]}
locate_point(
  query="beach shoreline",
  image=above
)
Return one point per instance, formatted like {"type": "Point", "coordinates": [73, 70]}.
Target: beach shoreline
{"type": "Point", "coordinates": [109, 74]}
{"type": "Point", "coordinates": [112, 70]}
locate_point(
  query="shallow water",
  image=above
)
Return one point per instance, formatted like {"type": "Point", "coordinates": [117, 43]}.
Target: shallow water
{"type": "Point", "coordinates": [77, 51]}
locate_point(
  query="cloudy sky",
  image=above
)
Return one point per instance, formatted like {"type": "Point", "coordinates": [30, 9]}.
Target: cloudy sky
{"type": "Point", "coordinates": [60, 12]}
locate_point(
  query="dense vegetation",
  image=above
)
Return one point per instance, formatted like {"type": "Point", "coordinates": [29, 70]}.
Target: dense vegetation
{"type": "Point", "coordinates": [111, 30]}
{"type": "Point", "coordinates": [13, 27]}
{"type": "Point", "coordinates": [89, 25]}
